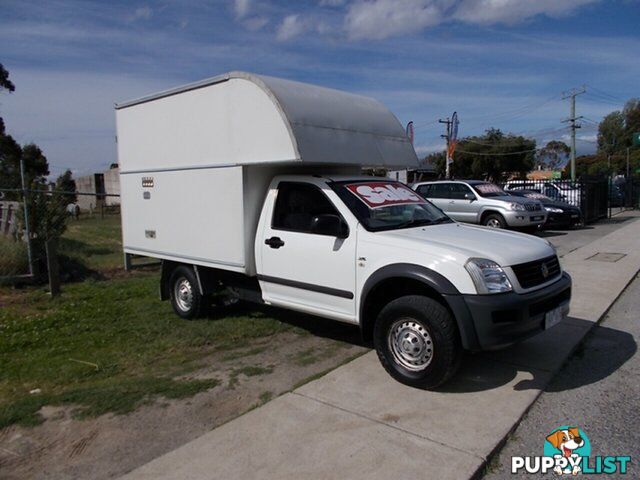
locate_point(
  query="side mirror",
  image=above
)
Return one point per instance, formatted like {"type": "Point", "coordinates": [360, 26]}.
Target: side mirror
{"type": "Point", "coordinates": [331, 225]}
{"type": "Point", "coordinates": [469, 196]}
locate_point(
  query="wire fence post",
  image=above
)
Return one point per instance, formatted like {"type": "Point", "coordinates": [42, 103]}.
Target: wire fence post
{"type": "Point", "coordinates": [25, 208]}
{"type": "Point", "coordinates": [53, 267]}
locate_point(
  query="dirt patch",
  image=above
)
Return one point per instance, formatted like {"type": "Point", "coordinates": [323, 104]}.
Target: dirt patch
{"type": "Point", "coordinates": [111, 445]}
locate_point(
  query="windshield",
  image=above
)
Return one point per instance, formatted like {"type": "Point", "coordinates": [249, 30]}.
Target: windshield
{"type": "Point", "coordinates": [387, 205]}
{"type": "Point", "coordinates": [488, 190]}
{"type": "Point", "coordinates": [537, 196]}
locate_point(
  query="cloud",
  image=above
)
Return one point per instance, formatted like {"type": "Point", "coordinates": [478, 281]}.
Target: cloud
{"type": "Point", "coordinates": [489, 12]}
{"type": "Point", "coordinates": [142, 13]}
{"type": "Point", "coordinates": [241, 8]}
{"type": "Point", "coordinates": [381, 19]}
{"type": "Point", "coordinates": [292, 26]}
{"type": "Point", "coordinates": [255, 23]}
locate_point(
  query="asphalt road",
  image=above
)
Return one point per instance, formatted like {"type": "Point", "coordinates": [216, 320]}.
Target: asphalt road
{"type": "Point", "coordinates": [598, 390]}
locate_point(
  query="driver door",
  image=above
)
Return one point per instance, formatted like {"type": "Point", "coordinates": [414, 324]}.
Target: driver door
{"type": "Point", "coordinates": [301, 269]}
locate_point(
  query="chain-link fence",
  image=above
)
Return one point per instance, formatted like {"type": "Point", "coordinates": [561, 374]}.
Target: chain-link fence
{"type": "Point", "coordinates": [77, 233]}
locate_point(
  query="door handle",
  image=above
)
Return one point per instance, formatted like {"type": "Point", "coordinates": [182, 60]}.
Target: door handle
{"type": "Point", "coordinates": [451, 202]}
{"type": "Point", "coordinates": [274, 242]}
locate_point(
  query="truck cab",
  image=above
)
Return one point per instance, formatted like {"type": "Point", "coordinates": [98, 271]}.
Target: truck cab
{"type": "Point", "coordinates": [423, 287]}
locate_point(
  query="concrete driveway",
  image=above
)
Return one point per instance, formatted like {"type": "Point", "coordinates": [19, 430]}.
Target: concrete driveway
{"type": "Point", "coordinates": [356, 422]}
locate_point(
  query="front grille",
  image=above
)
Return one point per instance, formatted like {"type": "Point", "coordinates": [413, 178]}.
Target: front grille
{"type": "Point", "coordinates": [533, 207]}
{"type": "Point", "coordinates": [531, 274]}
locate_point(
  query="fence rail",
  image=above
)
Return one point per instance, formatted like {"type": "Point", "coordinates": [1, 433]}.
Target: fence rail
{"type": "Point", "coordinates": [596, 196]}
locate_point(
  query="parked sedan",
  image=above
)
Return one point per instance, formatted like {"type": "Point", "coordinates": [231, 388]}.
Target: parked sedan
{"type": "Point", "coordinates": [559, 214]}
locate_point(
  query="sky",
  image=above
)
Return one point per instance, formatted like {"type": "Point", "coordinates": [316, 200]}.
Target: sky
{"type": "Point", "coordinates": [498, 63]}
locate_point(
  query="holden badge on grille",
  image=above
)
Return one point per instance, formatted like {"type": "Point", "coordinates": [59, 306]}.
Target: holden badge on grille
{"type": "Point", "coordinates": [544, 270]}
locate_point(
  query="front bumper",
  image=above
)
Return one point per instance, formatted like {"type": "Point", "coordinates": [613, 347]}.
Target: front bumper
{"type": "Point", "coordinates": [494, 321]}
{"type": "Point", "coordinates": [566, 219]}
{"type": "Point", "coordinates": [525, 219]}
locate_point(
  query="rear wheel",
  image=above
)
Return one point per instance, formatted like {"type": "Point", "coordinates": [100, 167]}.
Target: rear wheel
{"type": "Point", "coordinates": [494, 220]}
{"type": "Point", "coordinates": [417, 341]}
{"type": "Point", "coordinates": [186, 299]}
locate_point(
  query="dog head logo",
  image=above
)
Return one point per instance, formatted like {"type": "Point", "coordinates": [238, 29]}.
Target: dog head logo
{"type": "Point", "coordinates": [569, 443]}
{"type": "Point", "coordinates": [566, 440]}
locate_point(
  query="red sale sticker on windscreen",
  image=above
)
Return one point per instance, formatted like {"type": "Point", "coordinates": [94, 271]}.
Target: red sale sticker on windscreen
{"type": "Point", "coordinates": [384, 194]}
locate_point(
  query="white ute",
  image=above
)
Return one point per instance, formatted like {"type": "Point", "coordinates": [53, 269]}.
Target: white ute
{"type": "Point", "coordinates": [251, 185]}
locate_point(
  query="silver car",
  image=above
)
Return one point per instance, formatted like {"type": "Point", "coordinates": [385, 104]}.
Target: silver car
{"type": "Point", "coordinates": [484, 203]}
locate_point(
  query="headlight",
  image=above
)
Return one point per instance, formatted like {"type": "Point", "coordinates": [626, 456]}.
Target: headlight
{"type": "Point", "coordinates": [488, 276]}
{"type": "Point", "coordinates": [516, 206]}
{"type": "Point", "coordinates": [553, 210]}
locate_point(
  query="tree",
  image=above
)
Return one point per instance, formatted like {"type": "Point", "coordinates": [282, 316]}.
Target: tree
{"type": "Point", "coordinates": [436, 159]}
{"type": "Point", "coordinates": [493, 155]}
{"type": "Point", "coordinates": [611, 133]}
{"type": "Point", "coordinates": [66, 183]}
{"type": "Point", "coordinates": [631, 114]}
{"type": "Point", "coordinates": [10, 151]}
{"type": "Point", "coordinates": [5, 83]}
{"type": "Point", "coordinates": [553, 155]}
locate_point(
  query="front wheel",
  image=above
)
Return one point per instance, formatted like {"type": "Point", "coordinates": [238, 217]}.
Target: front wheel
{"type": "Point", "coordinates": [417, 341]}
{"type": "Point", "coordinates": [494, 220]}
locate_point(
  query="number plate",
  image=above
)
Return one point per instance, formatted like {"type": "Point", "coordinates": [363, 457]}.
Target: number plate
{"type": "Point", "coordinates": [536, 219]}
{"type": "Point", "coordinates": [554, 317]}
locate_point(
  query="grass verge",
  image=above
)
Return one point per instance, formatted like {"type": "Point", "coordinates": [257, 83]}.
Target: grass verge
{"type": "Point", "coordinates": [108, 346]}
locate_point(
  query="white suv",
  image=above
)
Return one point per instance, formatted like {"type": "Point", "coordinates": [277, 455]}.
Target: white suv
{"type": "Point", "coordinates": [476, 201]}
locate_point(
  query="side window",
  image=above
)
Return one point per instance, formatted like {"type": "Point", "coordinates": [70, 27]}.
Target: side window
{"type": "Point", "coordinates": [425, 190]}
{"type": "Point", "coordinates": [297, 204]}
{"type": "Point", "coordinates": [459, 190]}
{"type": "Point", "coordinates": [447, 190]}
{"type": "Point", "coordinates": [439, 190]}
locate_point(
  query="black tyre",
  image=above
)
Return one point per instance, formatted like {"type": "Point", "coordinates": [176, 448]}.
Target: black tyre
{"type": "Point", "coordinates": [494, 220]}
{"type": "Point", "coordinates": [417, 341]}
{"type": "Point", "coordinates": [186, 299]}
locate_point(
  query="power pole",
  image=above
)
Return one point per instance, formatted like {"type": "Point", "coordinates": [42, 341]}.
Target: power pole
{"type": "Point", "coordinates": [447, 136]}
{"type": "Point", "coordinates": [572, 94]}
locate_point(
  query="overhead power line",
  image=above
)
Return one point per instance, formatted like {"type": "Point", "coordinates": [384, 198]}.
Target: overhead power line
{"type": "Point", "coordinates": [603, 101]}
{"type": "Point", "coordinates": [593, 89]}
{"type": "Point", "coordinates": [499, 154]}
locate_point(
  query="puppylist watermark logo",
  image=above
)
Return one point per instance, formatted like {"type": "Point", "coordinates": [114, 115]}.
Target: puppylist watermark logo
{"type": "Point", "coordinates": [567, 450]}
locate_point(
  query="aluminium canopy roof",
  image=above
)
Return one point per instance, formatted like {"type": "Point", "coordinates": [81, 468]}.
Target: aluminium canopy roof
{"type": "Point", "coordinates": [241, 118]}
